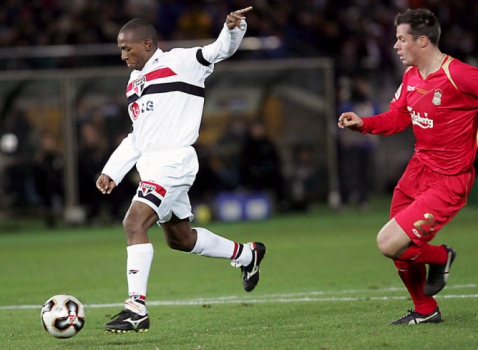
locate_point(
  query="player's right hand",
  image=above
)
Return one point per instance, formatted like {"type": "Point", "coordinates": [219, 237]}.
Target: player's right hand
{"type": "Point", "coordinates": [234, 18]}
{"type": "Point", "coordinates": [105, 184]}
{"type": "Point", "coordinates": [350, 120]}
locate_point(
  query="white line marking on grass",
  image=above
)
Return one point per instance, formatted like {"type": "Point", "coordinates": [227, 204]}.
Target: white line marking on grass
{"type": "Point", "coordinates": [275, 298]}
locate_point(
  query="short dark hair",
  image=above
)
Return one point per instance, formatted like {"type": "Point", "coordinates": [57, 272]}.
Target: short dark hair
{"type": "Point", "coordinates": [422, 22]}
{"type": "Point", "coordinates": [141, 29]}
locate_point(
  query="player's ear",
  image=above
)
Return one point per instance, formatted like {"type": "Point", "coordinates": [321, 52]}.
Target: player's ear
{"type": "Point", "coordinates": [148, 44]}
{"type": "Point", "coordinates": [423, 41]}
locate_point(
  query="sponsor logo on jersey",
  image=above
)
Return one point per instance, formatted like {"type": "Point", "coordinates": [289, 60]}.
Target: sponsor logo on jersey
{"type": "Point", "coordinates": [423, 122]}
{"type": "Point", "coordinates": [411, 88]}
{"type": "Point", "coordinates": [147, 106]}
{"type": "Point", "coordinates": [437, 97]}
{"type": "Point", "coordinates": [134, 109]}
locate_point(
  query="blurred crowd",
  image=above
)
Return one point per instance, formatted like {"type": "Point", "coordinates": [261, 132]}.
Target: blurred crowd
{"type": "Point", "coordinates": [359, 33]}
{"type": "Point", "coordinates": [245, 160]}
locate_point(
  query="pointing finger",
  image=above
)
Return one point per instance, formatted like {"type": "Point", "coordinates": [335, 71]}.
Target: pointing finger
{"type": "Point", "coordinates": [247, 9]}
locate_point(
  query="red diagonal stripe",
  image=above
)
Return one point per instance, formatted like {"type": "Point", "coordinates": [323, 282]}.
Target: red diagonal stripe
{"type": "Point", "coordinates": [157, 74]}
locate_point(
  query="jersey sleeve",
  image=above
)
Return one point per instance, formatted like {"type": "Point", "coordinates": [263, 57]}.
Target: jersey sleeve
{"type": "Point", "coordinates": [464, 77]}
{"type": "Point", "coordinates": [226, 44]}
{"type": "Point", "coordinates": [122, 160]}
{"type": "Point", "coordinates": [387, 123]}
{"type": "Point", "coordinates": [393, 121]}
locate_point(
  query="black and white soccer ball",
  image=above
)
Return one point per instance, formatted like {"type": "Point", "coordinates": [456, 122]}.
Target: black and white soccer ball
{"type": "Point", "coordinates": [63, 316]}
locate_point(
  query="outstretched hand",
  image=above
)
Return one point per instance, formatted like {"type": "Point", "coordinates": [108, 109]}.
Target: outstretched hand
{"type": "Point", "coordinates": [234, 18]}
{"type": "Point", "coordinates": [350, 120]}
{"type": "Point", "coordinates": [105, 184]}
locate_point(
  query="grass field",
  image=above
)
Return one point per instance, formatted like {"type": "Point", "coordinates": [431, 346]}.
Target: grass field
{"type": "Point", "coordinates": [324, 285]}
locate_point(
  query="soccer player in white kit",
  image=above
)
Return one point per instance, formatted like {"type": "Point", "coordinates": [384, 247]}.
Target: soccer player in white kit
{"type": "Point", "coordinates": [165, 103]}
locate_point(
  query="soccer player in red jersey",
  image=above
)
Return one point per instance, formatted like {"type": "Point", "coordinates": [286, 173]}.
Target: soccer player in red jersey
{"type": "Point", "coordinates": [438, 97]}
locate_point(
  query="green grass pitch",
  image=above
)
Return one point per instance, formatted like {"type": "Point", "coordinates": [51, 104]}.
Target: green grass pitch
{"type": "Point", "coordinates": [324, 285]}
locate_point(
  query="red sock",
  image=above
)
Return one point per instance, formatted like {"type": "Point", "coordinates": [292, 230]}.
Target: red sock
{"type": "Point", "coordinates": [414, 277]}
{"type": "Point", "coordinates": [426, 254]}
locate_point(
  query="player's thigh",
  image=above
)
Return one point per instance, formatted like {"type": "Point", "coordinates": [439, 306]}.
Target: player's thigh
{"type": "Point", "coordinates": [140, 216]}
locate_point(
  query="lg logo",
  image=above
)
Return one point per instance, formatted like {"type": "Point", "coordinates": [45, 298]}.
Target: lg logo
{"type": "Point", "coordinates": [136, 109]}
{"type": "Point", "coordinates": [147, 106]}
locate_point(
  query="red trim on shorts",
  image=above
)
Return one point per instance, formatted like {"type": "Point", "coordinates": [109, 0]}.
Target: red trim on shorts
{"type": "Point", "coordinates": [157, 188]}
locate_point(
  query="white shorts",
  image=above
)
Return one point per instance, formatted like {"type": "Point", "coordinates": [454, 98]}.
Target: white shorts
{"type": "Point", "coordinates": [166, 177]}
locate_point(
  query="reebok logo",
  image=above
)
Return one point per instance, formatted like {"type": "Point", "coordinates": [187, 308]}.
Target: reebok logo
{"type": "Point", "coordinates": [133, 272]}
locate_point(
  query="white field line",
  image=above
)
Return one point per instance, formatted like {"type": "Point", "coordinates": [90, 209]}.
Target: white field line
{"type": "Point", "coordinates": [280, 298]}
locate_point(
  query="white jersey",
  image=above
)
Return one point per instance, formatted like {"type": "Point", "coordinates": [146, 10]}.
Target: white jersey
{"type": "Point", "coordinates": [166, 100]}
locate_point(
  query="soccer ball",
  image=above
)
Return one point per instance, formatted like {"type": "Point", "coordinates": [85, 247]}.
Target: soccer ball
{"type": "Point", "coordinates": [63, 316]}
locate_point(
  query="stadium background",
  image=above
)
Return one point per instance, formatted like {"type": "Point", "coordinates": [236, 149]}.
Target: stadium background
{"type": "Point", "coordinates": [62, 84]}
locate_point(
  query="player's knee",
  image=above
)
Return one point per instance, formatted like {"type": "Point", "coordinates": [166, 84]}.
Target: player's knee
{"type": "Point", "coordinates": [386, 247]}
{"type": "Point", "coordinates": [132, 228]}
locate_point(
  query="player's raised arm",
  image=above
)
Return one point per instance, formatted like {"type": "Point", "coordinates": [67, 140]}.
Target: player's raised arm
{"type": "Point", "coordinates": [234, 18]}
{"type": "Point", "coordinates": [228, 40]}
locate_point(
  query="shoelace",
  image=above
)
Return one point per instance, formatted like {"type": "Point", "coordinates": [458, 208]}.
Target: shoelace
{"type": "Point", "coordinates": [120, 314]}
{"type": "Point", "coordinates": [411, 312]}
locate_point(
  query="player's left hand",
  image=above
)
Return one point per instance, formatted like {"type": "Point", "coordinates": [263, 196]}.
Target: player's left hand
{"type": "Point", "coordinates": [234, 18]}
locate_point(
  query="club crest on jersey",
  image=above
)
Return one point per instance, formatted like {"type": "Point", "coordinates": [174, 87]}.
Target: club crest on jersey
{"type": "Point", "coordinates": [138, 85]}
{"type": "Point", "coordinates": [437, 97]}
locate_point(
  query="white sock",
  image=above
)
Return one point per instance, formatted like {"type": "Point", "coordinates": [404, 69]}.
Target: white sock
{"type": "Point", "coordinates": [138, 265]}
{"type": "Point", "coordinates": [136, 305]}
{"type": "Point", "coordinates": [214, 246]}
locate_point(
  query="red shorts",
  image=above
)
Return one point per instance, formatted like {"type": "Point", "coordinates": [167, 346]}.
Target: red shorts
{"type": "Point", "coordinates": [424, 201]}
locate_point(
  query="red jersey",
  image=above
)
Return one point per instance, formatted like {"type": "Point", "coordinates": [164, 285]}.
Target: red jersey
{"type": "Point", "coordinates": [443, 110]}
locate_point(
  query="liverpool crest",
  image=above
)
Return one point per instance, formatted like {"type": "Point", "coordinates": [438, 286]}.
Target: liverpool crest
{"type": "Point", "coordinates": [437, 97]}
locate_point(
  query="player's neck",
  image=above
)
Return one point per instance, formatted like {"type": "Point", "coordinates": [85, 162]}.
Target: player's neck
{"type": "Point", "coordinates": [432, 64]}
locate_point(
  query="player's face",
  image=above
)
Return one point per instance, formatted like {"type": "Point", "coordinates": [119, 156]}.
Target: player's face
{"type": "Point", "coordinates": [135, 53]}
{"type": "Point", "coordinates": [407, 49]}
